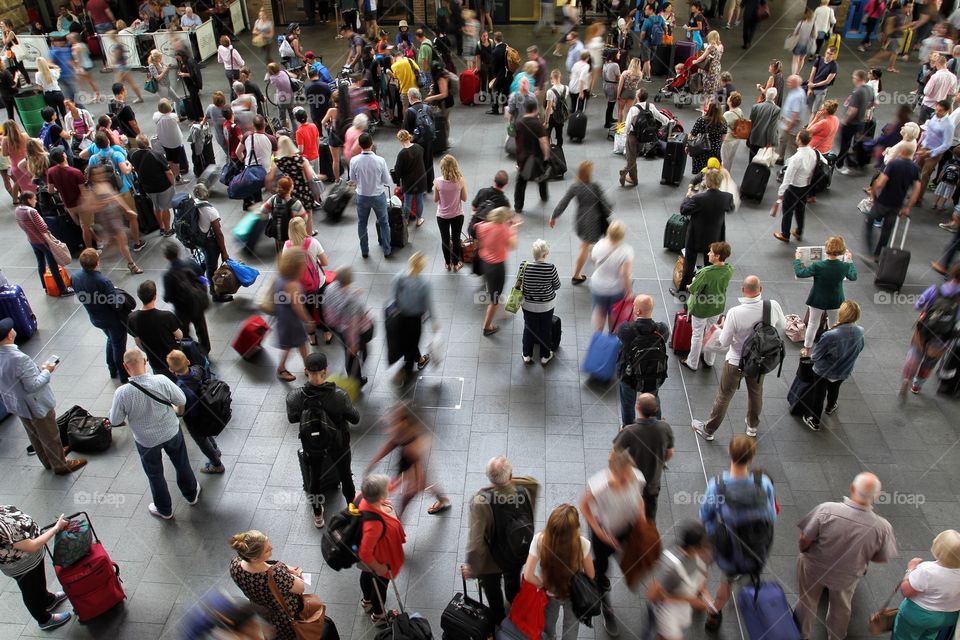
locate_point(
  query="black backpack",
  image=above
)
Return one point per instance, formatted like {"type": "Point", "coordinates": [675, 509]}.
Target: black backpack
{"type": "Point", "coordinates": [763, 351]}
{"type": "Point", "coordinates": [512, 527]}
{"type": "Point", "coordinates": [939, 318]}
{"type": "Point", "coordinates": [279, 217]}
{"type": "Point", "coordinates": [645, 361]}
{"type": "Point", "coordinates": [951, 173]}
{"type": "Point", "coordinates": [187, 293]}
{"type": "Point", "coordinates": [424, 131]}
{"type": "Point", "coordinates": [561, 109]}
{"type": "Point", "coordinates": [743, 535]}
{"type": "Point", "coordinates": [186, 221]}
{"type": "Point", "coordinates": [214, 400]}
{"type": "Point", "coordinates": [340, 544]}
{"type": "Point", "coordinates": [318, 432]}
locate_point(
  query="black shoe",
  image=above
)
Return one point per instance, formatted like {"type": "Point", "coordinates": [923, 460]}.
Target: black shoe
{"type": "Point", "coordinates": [713, 622]}
{"type": "Point", "coordinates": [812, 423]}
{"type": "Point", "coordinates": [832, 409]}
{"type": "Point", "coordinates": [223, 298]}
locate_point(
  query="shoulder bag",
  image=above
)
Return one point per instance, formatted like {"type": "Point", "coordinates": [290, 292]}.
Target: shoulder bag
{"type": "Point", "coordinates": [150, 394]}
{"type": "Point", "coordinates": [699, 145]}
{"type": "Point", "coordinates": [249, 182]}
{"type": "Point", "coordinates": [881, 621]}
{"type": "Point", "coordinates": [59, 250]}
{"type": "Point", "coordinates": [516, 294]}
{"type": "Point", "coordinates": [312, 620]}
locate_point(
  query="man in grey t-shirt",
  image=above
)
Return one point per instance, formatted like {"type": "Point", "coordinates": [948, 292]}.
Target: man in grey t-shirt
{"type": "Point", "coordinates": [853, 121]}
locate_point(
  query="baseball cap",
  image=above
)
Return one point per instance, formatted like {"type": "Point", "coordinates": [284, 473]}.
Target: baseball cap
{"type": "Point", "coordinates": [309, 54]}
{"type": "Point", "coordinates": [6, 326]}
{"type": "Point", "coordinates": [316, 362]}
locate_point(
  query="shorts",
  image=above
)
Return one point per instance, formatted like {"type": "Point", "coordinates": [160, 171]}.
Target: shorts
{"type": "Point", "coordinates": [333, 140]}
{"type": "Point", "coordinates": [404, 99]}
{"type": "Point", "coordinates": [163, 200]}
{"type": "Point", "coordinates": [647, 51]}
{"type": "Point", "coordinates": [369, 16]}
{"type": "Point", "coordinates": [172, 155]}
{"type": "Point", "coordinates": [893, 44]}
{"type": "Point", "coordinates": [87, 217]}
{"type": "Point", "coordinates": [486, 6]}
{"type": "Point", "coordinates": [494, 275]}
{"type": "Point", "coordinates": [605, 301]}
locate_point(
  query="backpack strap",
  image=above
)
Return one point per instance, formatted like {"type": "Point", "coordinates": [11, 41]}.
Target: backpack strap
{"type": "Point", "coordinates": [765, 317]}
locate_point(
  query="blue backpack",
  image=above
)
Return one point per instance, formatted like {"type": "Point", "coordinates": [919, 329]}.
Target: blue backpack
{"type": "Point", "coordinates": [45, 135]}
{"type": "Point", "coordinates": [655, 35]}
{"type": "Point", "coordinates": [743, 534]}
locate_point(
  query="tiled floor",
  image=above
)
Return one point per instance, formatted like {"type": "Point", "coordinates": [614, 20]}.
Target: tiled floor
{"type": "Point", "coordinates": [481, 400]}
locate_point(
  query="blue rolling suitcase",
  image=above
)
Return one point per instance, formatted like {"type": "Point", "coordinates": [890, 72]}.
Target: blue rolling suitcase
{"type": "Point", "coordinates": [14, 305]}
{"type": "Point", "coordinates": [766, 613]}
{"type": "Point", "coordinates": [601, 360]}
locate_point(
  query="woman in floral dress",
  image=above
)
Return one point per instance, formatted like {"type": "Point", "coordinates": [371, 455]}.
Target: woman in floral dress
{"type": "Point", "coordinates": [709, 61]}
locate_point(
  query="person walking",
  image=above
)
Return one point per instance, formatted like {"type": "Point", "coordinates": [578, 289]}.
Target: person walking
{"type": "Point", "coordinates": [735, 329]}
{"type": "Point", "coordinates": [649, 441]}
{"type": "Point", "coordinates": [539, 284]}
{"type": "Point", "coordinates": [105, 306]}
{"type": "Point", "coordinates": [156, 331]}
{"type": "Point", "coordinates": [157, 70]}
{"type": "Point", "coordinates": [712, 125]}
{"type": "Point", "coordinates": [838, 541]}
{"type": "Point", "coordinates": [644, 338]}
{"type": "Point", "coordinates": [183, 289]}
{"type": "Point", "coordinates": [109, 208]}
{"type": "Point", "coordinates": [680, 586]}
{"type": "Point", "coordinates": [412, 295]}
{"type": "Point", "coordinates": [33, 226]}
{"type": "Point", "coordinates": [381, 547]}
{"type": "Point", "coordinates": [706, 300]}
{"type": "Point", "coordinates": [450, 192]}
{"type": "Point", "coordinates": [533, 154]}
{"type": "Point", "coordinates": [292, 322]}
{"type": "Point", "coordinates": [345, 314]}
{"type": "Point", "coordinates": [592, 219]}
{"type": "Point", "coordinates": [642, 117]}
{"type": "Point", "coordinates": [215, 245]}
{"type": "Point", "coordinates": [834, 357]}
{"type": "Point", "coordinates": [189, 73]}
{"type": "Point", "coordinates": [792, 193]}
{"type": "Point", "coordinates": [22, 548]}
{"type": "Point", "coordinates": [556, 554]}
{"type": "Point", "coordinates": [707, 211]}
{"type": "Point", "coordinates": [493, 556]}
{"type": "Point", "coordinates": [612, 274]}
{"type": "Point", "coordinates": [931, 590]}
{"type": "Point", "coordinates": [793, 114]}
{"type": "Point", "coordinates": [169, 136]}
{"type": "Point", "coordinates": [612, 505]}
{"type": "Point", "coordinates": [369, 171]}
{"type": "Point", "coordinates": [282, 207]}
{"type": "Point", "coordinates": [894, 192]}
{"type": "Point", "coordinates": [283, 85]}
{"type": "Point", "coordinates": [853, 120]}
{"type": "Point", "coordinates": [26, 393]}
{"type": "Point", "coordinates": [157, 180]}
{"type": "Point", "coordinates": [826, 295]}
{"type": "Point", "coordinates": [497, 236]}
{"type": "Point", "coordinates": [411, 175]}
{"type": "Point", "coordinates": [934, 330]}
{"type": "Point", "coordinates": [149, 405]}
{"type": "Point", "coordinates": [264, 35]}
{"type": "Point", "coordinates": [731, 144]}
{"type": "Point", "coordinates": [232, 62]}
{"type": "Point", "coordinates": [309, 406]}
{"type": "Point", "coordinates": [189, 376]}
{"type": "Point", "coordinates": [313, 280]}
{"type": "Point", "coordinates": [824, 20]}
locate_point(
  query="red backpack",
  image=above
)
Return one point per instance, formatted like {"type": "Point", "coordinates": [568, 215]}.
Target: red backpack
{"type": "Point", "coordinates": [310, 280]}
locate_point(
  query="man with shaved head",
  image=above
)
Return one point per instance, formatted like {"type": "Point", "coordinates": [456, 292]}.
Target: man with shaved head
{"type": "Point", "coordinates": [837, 542]}
{"type": "Point", "coordinates": [642, 363]}
{"type": "Point", "coordinates": [736, 328]}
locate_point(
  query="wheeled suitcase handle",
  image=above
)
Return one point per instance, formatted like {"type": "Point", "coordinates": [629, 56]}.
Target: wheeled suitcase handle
{"type": "Point", "coordinates": [893, 235]}
{"type": "Point", "coordinates": [479, 590]}
{"type": "Point", "coordinates": [86, 515]}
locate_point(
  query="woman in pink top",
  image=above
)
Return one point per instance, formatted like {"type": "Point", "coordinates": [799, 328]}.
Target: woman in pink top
{"type": "Point", "coordinates": [497, 236]}
{"type": "Point", "coordinates": [450, 192]}
{"type": "Point", "coordinates": [351, 144]}
{"type": "Point", "coordinates": [32, 224]}
{"type": "Point", "coordinates": [823, 127]}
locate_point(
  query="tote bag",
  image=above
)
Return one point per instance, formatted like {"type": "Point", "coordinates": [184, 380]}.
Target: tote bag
{"type": "Point", "coordinates": [309, 625]}
{"type": "Point", "coordinates": [59, 250]}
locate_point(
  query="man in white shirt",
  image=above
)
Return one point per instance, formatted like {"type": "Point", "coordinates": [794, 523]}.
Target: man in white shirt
{"type": "Point", "coordinates": [792, 195]}
{"type": "Point", "coordinates": [941, 85]}
{"type": "Point", "coordinates": [580, 83]}
{"type": "Point", "coordinates": [628, 175]}
{"type": "Point", "coordinates": [736, 328]}
{"type": "Point", "coordinates": [370, 173]}
{"type": "Point", "coordinates": [257, 147]}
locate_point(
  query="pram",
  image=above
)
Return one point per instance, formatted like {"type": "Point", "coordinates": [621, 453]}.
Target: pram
{"type": "Point", "coordinates": [687, 83]}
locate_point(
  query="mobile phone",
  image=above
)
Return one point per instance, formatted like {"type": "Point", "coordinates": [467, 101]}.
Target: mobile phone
{"type": "Point", "coordinates": [54, 360]}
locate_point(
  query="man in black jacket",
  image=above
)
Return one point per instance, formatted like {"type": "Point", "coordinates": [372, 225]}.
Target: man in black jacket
{"type": "Point", "coordinates": [488, 199]}
{"type": "Point", "coordinates": [500, 73]}
{"type": "Point", "coordinates": [707, 211]}
{"type": "Point", "coordinates": [649, 335]}
{"type": "Point", "coordinates": [325, 400]}
{"type": "Point", "coordinates": [183, 289]}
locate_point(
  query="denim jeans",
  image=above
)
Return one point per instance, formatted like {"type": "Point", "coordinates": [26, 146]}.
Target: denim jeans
{"type": "Point", "coordinates": [537, 328]}
{"type": "Point", "coordinates": [571, 626]}
{"type": "Point", "coordinates": [379, 206]}
{"type": "Point", "coordinates": [152, 460]}
{"type": "Point", "coordinates": [417, 200]}
{"type": "Point", "coordinates": [628, 403]}
{"type": "Point", "coordinates": [207, 444]}
{"type": "Point", "coordinates": [116, 345]}
{"type": "Point", "coordinates": [45, 259]}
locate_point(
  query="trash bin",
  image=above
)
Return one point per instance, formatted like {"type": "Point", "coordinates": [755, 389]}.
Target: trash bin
{"type": "Point", "coordinates": [30, 103]}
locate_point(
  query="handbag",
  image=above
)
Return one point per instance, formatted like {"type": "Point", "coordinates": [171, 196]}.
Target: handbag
{"type": "Point", "coordinates": [229, 170]}
{"type": "Point", "coordinates": [585, 598]}
{"type": "Point", "coordinates": [516, 294]}
{"type": "Point", "coordinates": [151, 85]}
{"type": "Point", "coordinates": [527, 610]}
{"type": "Point", "coordinates": [59, 250]}
{"type": "Point", "coordinates": [699, 145]}
{"type": "Point", "coordinates": [73, 543]}
{"type": "Point", "coordinates": [266, 299]}
{"type": "Point", "coordinates": [791, 41]}
{"type": "Point", "coordinates": [309, 625]}
{"type": "Point", "coordinates": [881, 620]}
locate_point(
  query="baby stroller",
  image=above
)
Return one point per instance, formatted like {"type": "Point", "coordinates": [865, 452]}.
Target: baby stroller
{"type": "Point", "coordinates": [687, 82]}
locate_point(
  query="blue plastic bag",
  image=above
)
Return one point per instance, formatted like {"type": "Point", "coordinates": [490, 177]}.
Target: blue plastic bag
{"type": "Point", "coordinates": [246, 275]}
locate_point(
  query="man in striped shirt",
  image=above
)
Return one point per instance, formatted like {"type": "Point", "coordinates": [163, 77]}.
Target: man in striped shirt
{"type": "Point", "coordinates": [150, 404]}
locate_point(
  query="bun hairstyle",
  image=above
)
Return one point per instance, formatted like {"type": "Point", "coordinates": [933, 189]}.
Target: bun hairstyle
{"type": "Point", "coordinates": [249, 545]}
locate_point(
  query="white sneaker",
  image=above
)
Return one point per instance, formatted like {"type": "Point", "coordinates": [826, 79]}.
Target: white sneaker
{"type": "Point", "coordinates": [751, 431]}
{"type": "Point", "coordinates": [547, 359]}
{"type": "Point", "coordinates": [527, 359]}
{"type": "Point", "coordinates": [698, 427]}
{"type": "Point", "coordinates": [196, 498]}
{"type": "Point", "coordinates": [152, 508]}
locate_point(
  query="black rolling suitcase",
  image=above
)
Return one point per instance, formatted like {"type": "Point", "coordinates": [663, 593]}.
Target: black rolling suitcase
{"type": "Point", "coordinates": [577, 126]}
{"type": "Point", "coordinates": [949, 373]}
{"type": "Point", "coordinates": [66, 231]}
{"type": "Point", "coordinates": [202, 158]}
{"type": "Point", "coordinates": [675, 233]}
{"type": "Point", "coordinates": [146, 217]}
{"type": "Point", "coordinates": [440, 143]}
{"type": "Point", "coordinates": [336, 202]}
{"type": "Point", "coordinates": [674, 159]}
{"type": "Point", "coordinates": [801, 388]}
{"type": "Point", "coordinates": [662, 62]}
{"type": "Point", "coordinates": [556, 332]}
{"type": "Point", "coordinates": [467, 619]}
{"type": "Point", "coordinates": [557, 162]}
{"type": "Point", "coordinates": [326, 162]}
{"type": "Point", "coordinates": [894, 261]}
{"type": "Point", "coordinates": [755, 181]}
{"type": "Point", "coordinates": [399, 236]}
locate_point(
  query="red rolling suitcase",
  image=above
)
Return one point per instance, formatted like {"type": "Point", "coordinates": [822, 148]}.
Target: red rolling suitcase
{"type": "Point", "coordinates": [469, 86]}
{"type": "Point", "coordinates": [248, 341]}
{"type": "Point", "coordinates": [92, 584]}
{"type": "Point", "coordinates": [682, 333]}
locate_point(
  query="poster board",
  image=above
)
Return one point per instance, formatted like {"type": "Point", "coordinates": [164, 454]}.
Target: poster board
{"type": "Point", "coordinates": [30, 48]}
{"type": "Point", "coordinates": [168, 42]}
{"type": "Point", "coordinates": [206, 40]}
{"type": "Point", "coordinates": [120, 45]}
{"type": "Point", "coordinates": [236, 16]}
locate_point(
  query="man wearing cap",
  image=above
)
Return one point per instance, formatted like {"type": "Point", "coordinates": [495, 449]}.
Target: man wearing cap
{"type": "Point", "coordinates": [310, 59]}
{"type": "Point", "coordinates": [25, 391]}
{"type": "Point", "coordinates": [318, 398]}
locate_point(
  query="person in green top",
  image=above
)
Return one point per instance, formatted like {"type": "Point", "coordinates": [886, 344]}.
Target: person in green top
{"type": "Point", "coordinates": [826, 295]}
{"type": "Point", "coordinates": [706, 300]}
{"type": "Point", "coordinates": [424, 50]}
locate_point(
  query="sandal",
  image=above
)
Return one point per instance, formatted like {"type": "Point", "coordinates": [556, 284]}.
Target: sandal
{"type": "Point", "coordinates": [419, 222]}
{"type": "Point", "coordinates": [449, 267]}
{"type": "Point", "coordinates": [286, 376]}
{"type": "Point", "coordinates": [489, 332]}
{"type": "Point", "coordinates": [439, 506]}
{"type": "Point", "coordinates": [423, 362]}
{"type": "Point", "coordinates": [134, 269]}
{"type": "Point", "coordinates": [579, 280]}
{"type": "Point", "coordinates": [366, 605]}
{"type": "Point", "coordinates": [457, 267]}
{"type": "Point", "coordinates": [328, 337]}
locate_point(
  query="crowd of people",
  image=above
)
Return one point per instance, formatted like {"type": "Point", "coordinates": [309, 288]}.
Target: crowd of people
{"type": "Point", "coordinates": [101, 172]}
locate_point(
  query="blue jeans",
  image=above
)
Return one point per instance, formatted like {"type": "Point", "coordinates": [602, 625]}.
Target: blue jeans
{"type": "Point", "coordinates": [408, 199]}
{"type": "Point", "coordinates": [45, 259]}
{"type": "Point", "coordinates": [116, 345]}
{"type": "Point", "coordinates": [152, 460]}
{"type": "Point", "coordinates": [379, 206]}
{"type": "Point", "coordinates": [103, 27]}
{"type": "Point", "coordinates": [628, 403]}
{"type": "Point", "coordinates": [69, 87]}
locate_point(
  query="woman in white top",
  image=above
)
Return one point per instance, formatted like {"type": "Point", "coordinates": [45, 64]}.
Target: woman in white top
{"type": "Point", "coordinates": [82, 63]}
{"type": "Point", "coordinates": [823, 20]}
{"type": "Point", "coordinates": [806, 33]}
{"type": "Point", "coordinates": [612, 273]}
{"type": "Point", "coordinates": [580, 82]}
{"type": "Point", "coordinates": [79, 124]}
{"type": "Point", "coordinates": [231, 60]}
{"type": "Point", "coordinates": [160, 72]}
{"type": "Point", "coordinates": [556, 554]}
{"type": "Point", "coordinates": [48, 76]}
{"type": "Point", "coordinates": [931, 593]}
{"type": "Point", "coordinates": [730, 144]}
{"type": "Point", "coordinates": [169, 135]}
{"type": "Point", "coordinates": [313, 279]}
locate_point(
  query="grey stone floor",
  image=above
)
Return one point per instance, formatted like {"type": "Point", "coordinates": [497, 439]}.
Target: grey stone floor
{"type": "Point", "coordinates": [482, 401]}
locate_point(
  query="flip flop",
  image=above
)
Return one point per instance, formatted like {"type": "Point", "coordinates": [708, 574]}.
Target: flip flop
{"type": "Point", "coordinates": [434, 509]}
{"type": "Point", "coordinates": [286, 376]}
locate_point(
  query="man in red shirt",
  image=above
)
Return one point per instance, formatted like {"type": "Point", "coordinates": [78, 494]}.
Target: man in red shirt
{"type": "Point", "coordinates": [101, 15]}
{"type": "Point", "coordinates": [308, 139]}
{"type": "Point", "coordinates": [68, 182]}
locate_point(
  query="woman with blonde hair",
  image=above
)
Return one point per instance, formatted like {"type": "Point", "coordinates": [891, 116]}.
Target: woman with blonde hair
{"type": "Point", "coordinates": [293, 324]}
{"type": "Point", "coordinates": [279, 209]}
{"type": "Point", "coordinates": [450, 192]}
{"type": "Point", "coordinates": [36, 161]}
{"type": "Point", "coordinates": [497, 236]}
{"type": "Point", "coordinates": [291, 163]}
{"type": "Point", "coordinates": [48, 77]}
{"type": "Point", "coordinates": [612, 275]}
{"type": "Point", "coordinates": [931, 591]}
{"type": "Point", "coordinates": [709, 62]}
{"type": "Point", "coordinates": [313, 279]}
{"type": "Point", "coordinates": [834, 357]}
{"type": "Point", "coordinates": [413, 298]}
{"type": "Point", "coordinates": [14, 147]}
{"type": "Point", "coordinates": [157, 70]}
{"type": "Point", "coordinates": [411, 176]}
{"type": "Point", "coordinates": [557, 554]}
{"type": "Point", "coordinates": [627, 87]}
{"type": "Point", "coordinates": [593, 212]}
{"type": "Point", "coordinates": [826, 295]}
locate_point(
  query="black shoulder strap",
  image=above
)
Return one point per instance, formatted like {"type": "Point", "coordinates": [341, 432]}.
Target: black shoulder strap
{"type": "Point", "coordinates": [150, 395]}
{"type": "Point", "coordinates": [766, 312]}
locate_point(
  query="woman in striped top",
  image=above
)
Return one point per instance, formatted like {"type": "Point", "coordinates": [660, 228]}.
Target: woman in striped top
{"type": "Point", "coordinates": [540, 284]}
